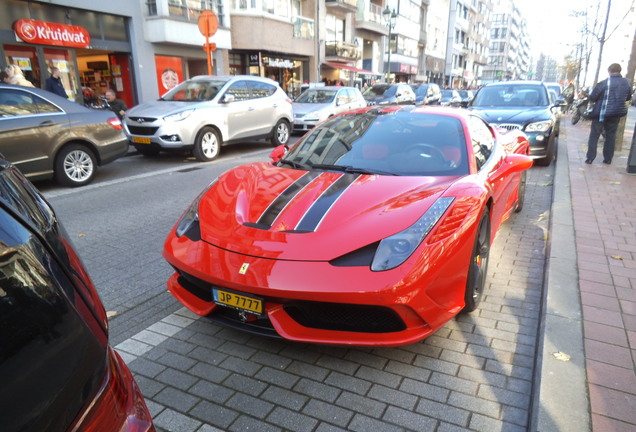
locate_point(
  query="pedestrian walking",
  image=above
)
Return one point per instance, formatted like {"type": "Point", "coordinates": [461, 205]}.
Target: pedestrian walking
{"type": "Point", "coordinates": [609, 98]}
{"type": "Point", "coordinates": [117, 106]}
{"type": "Point", "coordinates": [54, 83]}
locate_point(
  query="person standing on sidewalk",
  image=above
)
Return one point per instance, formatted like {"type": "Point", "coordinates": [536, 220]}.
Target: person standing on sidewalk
{"type": "Point", "coordinates": [54, 83]}
{"type": "Point", "coordinates": [609, 97]}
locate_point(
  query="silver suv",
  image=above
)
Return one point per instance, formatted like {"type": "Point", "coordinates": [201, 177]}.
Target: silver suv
{"type": "Point", "coordinates": [206, 112]}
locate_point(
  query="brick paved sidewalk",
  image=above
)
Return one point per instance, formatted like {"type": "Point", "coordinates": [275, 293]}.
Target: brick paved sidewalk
{"type": "Point", "coordinates": [604, 213]}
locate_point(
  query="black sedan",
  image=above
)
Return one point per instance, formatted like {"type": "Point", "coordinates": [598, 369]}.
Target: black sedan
{"type": "Point", "coordinates": [524, 105]}
{"type": "Point", "coordinates": [47, 136]}
{"type": "Point", "coordinates": [57, 370]}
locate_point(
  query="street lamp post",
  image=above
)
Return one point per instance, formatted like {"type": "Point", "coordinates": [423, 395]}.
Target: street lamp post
{"type": "Point", "coordinates": [389, 17]}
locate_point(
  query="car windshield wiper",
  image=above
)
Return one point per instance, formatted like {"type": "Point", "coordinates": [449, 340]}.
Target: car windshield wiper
{"type": "Point", "coordinates": [351, 170]}
{"type": "Point", "coordinates": [292, 164]}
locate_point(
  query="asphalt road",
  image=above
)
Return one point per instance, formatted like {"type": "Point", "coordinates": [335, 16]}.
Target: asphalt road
{"type": "Point", "coordinates": [476, 373]}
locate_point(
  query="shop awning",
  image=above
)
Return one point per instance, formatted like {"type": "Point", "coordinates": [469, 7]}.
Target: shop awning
{"type": "Point", "coordinates": [350, 68]}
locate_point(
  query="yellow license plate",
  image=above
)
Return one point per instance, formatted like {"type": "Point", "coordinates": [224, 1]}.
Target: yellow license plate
{"type": "Point", "coordinates": [238, 301]}
{"type": "Point", "coordinates": [141, 140]}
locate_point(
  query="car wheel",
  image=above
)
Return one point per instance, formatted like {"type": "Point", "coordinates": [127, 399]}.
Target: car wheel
{"type": "Point", "coordinates": [207, 145]}
{"type": "Point", "coordinates": [478, 268]}
{"type": "Point", "coordinates": [280, 135]}
{"type": "Point", "coordinates": [547, 160]}
{"type": "Point", "coordinates": [521, 192]}
{"type": "Point", "coordinates": [75, 165]}
{"type": "Point", "coordinates": [147, 150]}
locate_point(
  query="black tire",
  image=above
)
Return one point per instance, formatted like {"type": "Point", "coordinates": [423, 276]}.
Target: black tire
{"type": "Point", "coordinates": [147, 150]}
{"type": "Point", "coordinates": [75, 165]}
{"type": "Point", "coordinates": [521, 194]}
{"type": "Point", "coordinates": [576, 116]}
{"type": "Point", "coordinates": [207, 145]}
{"type": "Point", "coordinates": [478, 267]}
{"type": "Point", "coordinates": [547, 160]}
{"type": "Point", "coordinates": [280, 133]}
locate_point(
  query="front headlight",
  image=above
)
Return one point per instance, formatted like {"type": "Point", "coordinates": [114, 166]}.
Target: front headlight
{"type": "Point", "coordinates": [542, 126]}
{"type": "Point", "coordinates": [393, 251]}
{"type": "Point", "coordinates": [188, 224]}
{"type": "Point", "coordinates": [178, 116]}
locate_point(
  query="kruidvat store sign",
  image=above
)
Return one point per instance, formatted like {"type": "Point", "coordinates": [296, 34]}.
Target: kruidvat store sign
{"type": "Point", "coordinates": [48, 33]}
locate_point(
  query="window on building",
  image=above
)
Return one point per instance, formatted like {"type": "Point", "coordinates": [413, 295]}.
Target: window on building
{"type": "Point", "coordinates": [335, 28]}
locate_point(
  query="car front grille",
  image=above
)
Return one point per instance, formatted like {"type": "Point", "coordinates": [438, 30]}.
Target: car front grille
{"type": "Point", "coordinates": [509, 126]}
{"type": "Point", "coordinates": [345, 317]}
{"type": "Point", "coordinates": [318, 315]}
{"type": "Point", "coordinates": [142, 130]}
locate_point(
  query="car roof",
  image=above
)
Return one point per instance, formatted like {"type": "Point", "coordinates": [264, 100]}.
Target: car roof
{"type": "Point", "coordinates": [231, 77]}
{"type": "Point", "coordinates": [515, 82]}
{"type": "Point", "coordinates": [66, 104]}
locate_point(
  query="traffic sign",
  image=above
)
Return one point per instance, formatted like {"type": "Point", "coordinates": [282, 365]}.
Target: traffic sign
{"type": "Point", "coordinates": [208, 23]}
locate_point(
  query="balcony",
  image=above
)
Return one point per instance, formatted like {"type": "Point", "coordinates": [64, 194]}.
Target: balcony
{"type": "Point", "coordinates": [342, 5]}
{"type": "Point", "coordinates": [343, 51]}
{"type": "Point", "coordinates": [369, 17]}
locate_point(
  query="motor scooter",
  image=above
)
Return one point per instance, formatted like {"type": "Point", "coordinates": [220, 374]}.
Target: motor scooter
{"type": "Point", "coordinates": [582, 109]}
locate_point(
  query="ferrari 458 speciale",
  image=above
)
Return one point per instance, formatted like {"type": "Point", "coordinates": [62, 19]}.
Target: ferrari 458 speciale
{"type": "Point", "coordinates": [373, 229]}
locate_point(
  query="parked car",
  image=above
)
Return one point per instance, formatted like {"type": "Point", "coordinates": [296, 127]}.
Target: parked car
{"type": "Point", "coordinates": [467, 96]}
{"type": "Point", "coordinates": [382, 94]}
{"type": "Point", "coordinates": [203, 113]}
{"type": "Point", "coordinates": [427, 94]}
{"type": "Point", "coordinates": [450, 98]}
{"type": "Point", "coordinates": [373, 229]}
{"type": "Point", "coordinates": [524, 105]}
{"type": "Point", "coordinates": [319, 103]}
{"type": "Point", "coordinates": [57, 369]}
{"type": "Point", "coordinates": [48, 136]}
{"type": "Point", "coordinates": [554, 86]}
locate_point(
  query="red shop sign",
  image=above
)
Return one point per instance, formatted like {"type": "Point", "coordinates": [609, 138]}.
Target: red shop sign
{"type": "Point", "coordinates": [48, 33]}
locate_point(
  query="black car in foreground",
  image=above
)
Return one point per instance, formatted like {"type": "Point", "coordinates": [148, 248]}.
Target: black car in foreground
{"type": "Point", "coordinates": [524, 105]}
{"type": "Point", "coordinates": [57, 370]}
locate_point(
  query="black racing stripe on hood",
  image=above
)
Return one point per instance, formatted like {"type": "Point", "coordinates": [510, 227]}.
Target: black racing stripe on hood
{"type": "Point", "coordinates": [277, 206]}
{"type": "Point", "coordinates": [319, 209]}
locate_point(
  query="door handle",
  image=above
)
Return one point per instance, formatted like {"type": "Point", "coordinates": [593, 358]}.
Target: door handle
{"type": "Point", "coordinates": [251, 109]}
{"type": "Point", "coordinates": [46, 123]}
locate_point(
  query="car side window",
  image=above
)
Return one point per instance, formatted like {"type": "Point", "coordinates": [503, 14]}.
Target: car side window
{"type": "Point", "coordinates": [239, 90]}
{"type": "Point", "coordinates": [260, 90]}
{"type": "Point", "coordinates": [14, 103]}
{"type": "Point", "coordinates": [482, 139]}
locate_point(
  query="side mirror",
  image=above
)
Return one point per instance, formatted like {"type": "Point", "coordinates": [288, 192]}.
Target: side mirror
{"type": "Point", "coordinates": [514, 163]}
{"type": "Point", "coordinates": [278, 153]}
{"type": "Point", "coordinates": [227, 98]}
{"type": "Point", "coordinates": [340, 100]}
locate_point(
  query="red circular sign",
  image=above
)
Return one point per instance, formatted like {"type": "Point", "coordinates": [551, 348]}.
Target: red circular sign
{"type": "Point", "coordinates": [208, 23]}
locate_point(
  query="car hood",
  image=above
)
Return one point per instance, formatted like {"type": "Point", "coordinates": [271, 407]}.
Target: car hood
{"type": "Point", "coordinates": [272, 212]}
{"type": "Point", "coordinates": [304, 108]}
{"type": "Point", "coordinates": [519, 115]}
{"type": "Point", "coordinates": [160, 108]}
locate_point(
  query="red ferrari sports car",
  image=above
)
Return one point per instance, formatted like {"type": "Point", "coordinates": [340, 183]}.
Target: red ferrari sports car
{"type": "Point", "coordinates": [373, 229]}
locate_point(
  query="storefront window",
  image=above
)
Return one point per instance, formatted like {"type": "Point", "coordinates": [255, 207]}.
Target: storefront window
{"type": "Point", "coordinates": [114, 28]}
{"type": "Point", "coordinates": [26, 59]}
{"type": "Point", "coordinates": [62, 60]}
{"type": "Point", "coordinates": [88, 20]}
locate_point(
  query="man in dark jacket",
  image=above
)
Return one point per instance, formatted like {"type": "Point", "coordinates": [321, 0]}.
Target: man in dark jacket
{"type": "Point", "coordinates": [609, 97]}
{"type": "Point", "coordinates": [117, 106]}
{"type": "Point", "coordinates": [54, 83]}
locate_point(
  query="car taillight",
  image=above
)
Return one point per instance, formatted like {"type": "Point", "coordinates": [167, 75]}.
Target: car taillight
{"type": "Point", "coordinates": [115, 123]}
{"type": "Point", "coordinates": [120, 406]}
{"type": "Point", "coordinates": [288, 100]}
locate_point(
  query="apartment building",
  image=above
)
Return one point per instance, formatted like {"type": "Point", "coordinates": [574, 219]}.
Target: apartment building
{"type": "Point", "coordinates": [509, 55]}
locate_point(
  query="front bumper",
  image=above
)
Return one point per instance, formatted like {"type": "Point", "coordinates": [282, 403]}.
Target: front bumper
{"type": "Point", "coordinates": [318, 302]}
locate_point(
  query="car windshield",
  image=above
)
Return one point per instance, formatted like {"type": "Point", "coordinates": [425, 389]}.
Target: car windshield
{"type": "Point", "coordinates": [194, 90]}
{"type": "Point", "coordinates": [419, 90]}
{"type": "Point", "coordinates": [463, 93]}
{"type": "Point", "coordinates": [380, 90]}
{"type": "Point", "coordinates": [316, 96]}
{"type": "Point", "coordinates": [511, 96]}
{"type": "Point", "coordinates": [447, 93]}
{"type": "Point", "coordinates": [401, 143]}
